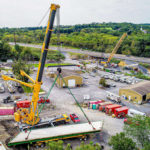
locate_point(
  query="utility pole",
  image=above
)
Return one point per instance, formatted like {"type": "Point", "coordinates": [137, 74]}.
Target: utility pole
{"type": "Point", "coordinates": [15, 38]}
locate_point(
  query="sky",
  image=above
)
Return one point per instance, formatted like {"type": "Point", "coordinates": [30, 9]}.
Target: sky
{"type": "Point", "coordinates": [28, 13]}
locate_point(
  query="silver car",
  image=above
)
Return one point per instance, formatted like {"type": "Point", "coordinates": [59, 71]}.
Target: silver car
{"type": "Point", "coordinates": [2, 89]}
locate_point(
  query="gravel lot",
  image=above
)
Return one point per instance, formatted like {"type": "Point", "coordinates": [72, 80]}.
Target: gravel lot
{"type": "Point", "coordinates": [65, 103]}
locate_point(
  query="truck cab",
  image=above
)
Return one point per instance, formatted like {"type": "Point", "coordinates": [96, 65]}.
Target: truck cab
{"type": "Point", "coordinates": [66, 118]}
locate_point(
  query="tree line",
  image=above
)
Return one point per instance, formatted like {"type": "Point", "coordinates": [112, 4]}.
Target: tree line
{"type": "Point", "coordinates": [100, 37]}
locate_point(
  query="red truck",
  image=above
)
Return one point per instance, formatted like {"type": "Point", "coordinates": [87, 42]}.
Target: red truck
{"type": "Point", "coordinates": [121, 112]}
{"type": "Point", "coordinates": [23, 104]}
{"type": "Point", "coordinates": [111, 108]}
{"type": "Point", "coordinates": [43, 100]}
{"type": "Point", "coordinates": [74, 118]}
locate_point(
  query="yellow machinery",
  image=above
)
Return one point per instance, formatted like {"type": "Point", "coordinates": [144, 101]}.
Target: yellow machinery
{"type": "Point", "coordinates": [23, 115]}
{"type": "Point", "coordinates": [115, 49]}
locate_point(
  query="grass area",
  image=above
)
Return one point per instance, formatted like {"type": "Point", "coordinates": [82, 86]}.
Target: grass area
{"type": "Point", "coordinates": [114, 60]}
{"type": "Point", "coordinates": [52, 64]}
{"type": "Point", "coordinates": [138, 75]}
{"type": "Point", "coordinates": [145, 65]}
{"type": "Point", "coordinates": [29, 90]}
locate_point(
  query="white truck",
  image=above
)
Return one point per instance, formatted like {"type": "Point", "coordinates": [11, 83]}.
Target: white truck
{"type": "Point", "coordinates": [113, 97]}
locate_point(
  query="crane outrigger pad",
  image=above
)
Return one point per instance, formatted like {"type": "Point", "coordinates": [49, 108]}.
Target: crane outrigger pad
{"type": "Point", "coordinates": [56, 133]}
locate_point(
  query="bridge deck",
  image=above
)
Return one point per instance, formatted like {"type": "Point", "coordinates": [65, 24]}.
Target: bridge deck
{"type": "Point", "coordinates": [56, 132]}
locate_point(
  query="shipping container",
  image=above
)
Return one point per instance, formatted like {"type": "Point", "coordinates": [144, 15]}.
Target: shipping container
{"type": "Point", "coordinates": [6, 110]}
{"type": "Point", "coordinates": [110, 108]}
{"type": "Point", "coordinates": [121, 112]}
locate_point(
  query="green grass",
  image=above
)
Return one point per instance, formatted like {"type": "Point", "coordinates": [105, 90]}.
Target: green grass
{"type": "Point", "coordinates": [29, 90]}
{"type": "Point", "coordinates": [52, 64]}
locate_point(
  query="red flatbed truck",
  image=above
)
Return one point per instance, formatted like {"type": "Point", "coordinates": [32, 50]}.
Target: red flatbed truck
{"type": "Point", "coordinates": [111, 108]}
{"type": "Point", "coordinates": [121, 112]}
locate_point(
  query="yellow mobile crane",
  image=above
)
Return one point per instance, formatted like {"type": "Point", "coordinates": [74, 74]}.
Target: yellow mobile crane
{"type": "Point", "coordinates": [114, 50]}
{"type": "Point", "coordinates": [24, 115]}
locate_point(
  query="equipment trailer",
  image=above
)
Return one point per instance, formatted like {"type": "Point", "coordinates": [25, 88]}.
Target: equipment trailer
{"type": "Point", "coordinates": [39, 136]}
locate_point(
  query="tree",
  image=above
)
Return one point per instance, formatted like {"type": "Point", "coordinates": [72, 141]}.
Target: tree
{"type": "Point", "coordinates": [53, 145]}
{"type": "Point", "coordinates": [5, 51]}
{"type": "Point", "coordinates": [89, 146]}
{"type": "Point", "coordinates": [139, 129]}
{"type": "Point", "coordinates": [121, 142]}
{"type": "Point", "coordinates": [21, 65]}
{"type": "Point", "coordinates": [102, 81]}
{"type": "Point", "coordinates": [146, 146]}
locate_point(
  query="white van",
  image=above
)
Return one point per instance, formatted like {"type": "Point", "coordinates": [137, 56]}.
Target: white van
{"type": "Point", "coordinates": [133, 112]}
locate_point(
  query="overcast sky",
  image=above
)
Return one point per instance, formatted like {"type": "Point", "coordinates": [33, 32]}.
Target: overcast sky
{"type": "Point", "coordinates": [22, 13]}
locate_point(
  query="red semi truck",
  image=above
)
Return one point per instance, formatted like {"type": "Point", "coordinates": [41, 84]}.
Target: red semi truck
{"type": "Point", "coordinates": [121, 112]}
{"type": "Point", "coordinates": [111, 108]}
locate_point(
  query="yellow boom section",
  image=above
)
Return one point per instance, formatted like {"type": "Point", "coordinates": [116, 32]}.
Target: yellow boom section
{"type": "Point", "coordinates": [116, 47]}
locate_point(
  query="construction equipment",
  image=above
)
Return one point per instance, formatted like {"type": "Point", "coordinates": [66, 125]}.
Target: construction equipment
{"type": "Point", "coordinates": [105, 63]}
{"type": "Point", "coordinates": [24, 115]}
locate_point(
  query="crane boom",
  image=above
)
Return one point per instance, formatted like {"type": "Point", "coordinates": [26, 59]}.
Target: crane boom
{"type": "Point", "coordinates": [116, 47]}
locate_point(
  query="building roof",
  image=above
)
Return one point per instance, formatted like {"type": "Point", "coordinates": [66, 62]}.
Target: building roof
{"type": "Point", "coordinates": [142, 87]}
{"type": "Point", "coordinates": [66, 73]}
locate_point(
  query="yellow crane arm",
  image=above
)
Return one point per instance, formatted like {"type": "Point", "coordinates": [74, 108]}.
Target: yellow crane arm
{"type": "Point", "coordinates": [116, 47]}
{"type": "Point", "coordinates": [26, 75]}
{"type": "Point", "coordinates": [21, 82]}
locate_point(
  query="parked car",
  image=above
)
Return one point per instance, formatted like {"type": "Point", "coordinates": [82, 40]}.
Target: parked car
{"type": "Point", "coordinates": [2, 89]}
{"type": "Point", "coordinates": [11, 89]}
{"type": "Point", "coordinates": [43, 100]}
{"type": "Point", "coordinates": [7, 99]}
{"type": "Point", "coordinates": [113, 85]}
{"type": "Point", "coordinates": [74, 118]}
{"type": "Point", "coordinates": [20, 89]}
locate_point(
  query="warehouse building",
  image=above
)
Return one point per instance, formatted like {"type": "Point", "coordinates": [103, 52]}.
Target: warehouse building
{"type": "Point", "coordinates": [138, 93]}
{"type": "Point", "coordinates": [71, 78]}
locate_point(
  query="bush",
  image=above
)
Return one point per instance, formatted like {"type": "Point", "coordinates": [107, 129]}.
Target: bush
{"type": "Point", "coordinates": [121, 142]}
{"type": "Point", "coordinates": [102, 81]}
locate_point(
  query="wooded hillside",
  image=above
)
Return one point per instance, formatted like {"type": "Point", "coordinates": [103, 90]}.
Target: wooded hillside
{"type": "Point", "coordinates": [95, 36]}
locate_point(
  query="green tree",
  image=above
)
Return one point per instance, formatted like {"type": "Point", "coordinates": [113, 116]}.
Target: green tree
{"type": "Point", "coordinates": [139, 129]}
{"type": "Point", "coordinates": [102, 81]}
{"type": "Point", "coordinates": [146, 146]}
{"type": "Point", "coordinates": [121, 142]}
{"type": "Point", "coordinates": [89, 146]}
{"type": "Point", "coordinates": [5, 51]}
{"type": "Point", "coordinates": [21, 65]}
{"type": "Point", "coordinates": [26, 54]}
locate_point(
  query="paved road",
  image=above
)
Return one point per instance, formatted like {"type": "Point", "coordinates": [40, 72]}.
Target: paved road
{"type": "Point", "coordinates": [90, 53]}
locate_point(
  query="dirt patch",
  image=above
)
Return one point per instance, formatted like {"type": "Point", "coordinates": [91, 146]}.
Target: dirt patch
{"type": "Point", "coordinates": [7, 130]}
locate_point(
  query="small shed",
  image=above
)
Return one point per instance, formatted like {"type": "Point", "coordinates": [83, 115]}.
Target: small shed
{"type": "Point", "coordinates": [138, 93]}
{"type": "Point", "coordinates": [71, 78]}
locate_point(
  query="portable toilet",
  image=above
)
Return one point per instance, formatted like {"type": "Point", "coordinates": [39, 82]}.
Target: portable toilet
{"type": "Point", "coordinates": [94, 106]}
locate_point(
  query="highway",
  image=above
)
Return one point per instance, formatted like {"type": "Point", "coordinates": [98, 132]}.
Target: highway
{"type": "Point", "coordinates": [90, 53]}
